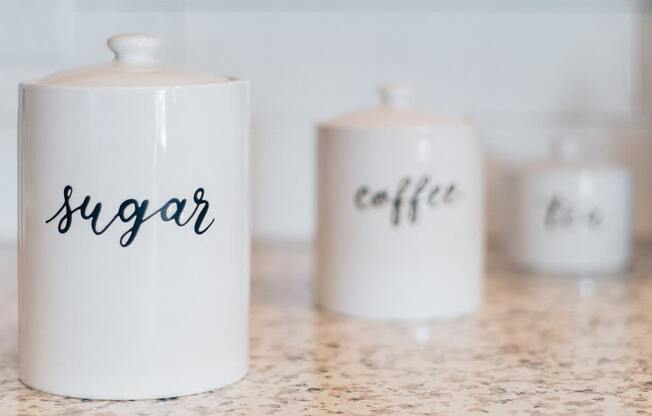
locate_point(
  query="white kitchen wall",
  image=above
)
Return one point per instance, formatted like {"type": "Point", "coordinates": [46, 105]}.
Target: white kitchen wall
{"type": "Point", "coordinates": [525, 71]}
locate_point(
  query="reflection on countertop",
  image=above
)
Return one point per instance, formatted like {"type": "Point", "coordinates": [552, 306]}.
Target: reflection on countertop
{"type": "Point", "coordinates": [539, 345]}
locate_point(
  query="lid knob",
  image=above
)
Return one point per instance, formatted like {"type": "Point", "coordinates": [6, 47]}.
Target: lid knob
{"type": "Point", "coordinates": [396, 94]}
{"type": "Point", "coordinates": [134, 47]}
{"type": "Point", "coordinates": [566, 149]}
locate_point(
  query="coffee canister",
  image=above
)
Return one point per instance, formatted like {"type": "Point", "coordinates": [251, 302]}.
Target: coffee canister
{"type": "Point", "coordinates": [133, 229]}
{"type": "Point", "coordinates": [400, 212]}
{"type": "Point", "coordinates": [570, 214]}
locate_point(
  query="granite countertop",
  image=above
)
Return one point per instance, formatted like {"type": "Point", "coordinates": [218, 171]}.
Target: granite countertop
{"type": "Point", "coordinates": [539, 346]}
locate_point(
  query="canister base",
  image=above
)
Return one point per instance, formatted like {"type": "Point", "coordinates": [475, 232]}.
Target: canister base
{"type": "Point", "coordinates": [572, 271]}
{"type": "Point", "coordinates": [143, 396]}
{"type": "Point", "coordinates": [406, 317]}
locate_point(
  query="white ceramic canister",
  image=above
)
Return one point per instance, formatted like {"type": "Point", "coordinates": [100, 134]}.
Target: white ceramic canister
{"type": "Point", "coordinates": [569, 215]}
{"type": "Point", "coordinates": [400, 213]}
{"type": "Point", "coordinates": [133, 236]}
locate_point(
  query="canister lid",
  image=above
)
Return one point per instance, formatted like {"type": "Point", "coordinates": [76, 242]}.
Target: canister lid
{"type": "Point", "coordinates": [395, 112]}
{"type": "Point", "coordinates": [569, 154]}
{"type": "Point", "coordinates": [135, 65]}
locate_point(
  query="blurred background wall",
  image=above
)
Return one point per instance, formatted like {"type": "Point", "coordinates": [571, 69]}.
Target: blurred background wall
{"type": "Point", "coordinates": [527, 71]}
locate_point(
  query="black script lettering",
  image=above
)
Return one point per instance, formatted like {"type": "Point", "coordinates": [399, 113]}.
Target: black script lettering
{"type": "Point", "coordinates": [198, 197]}
{"type": "Point", "coordinates": [414, 201]}
{"type": "Point", "coordinates": [398, 200]}
{"type": "Point", "coordinates": [138, 216]}
{"type": "Point", "coordinates": [379, 198]}
{"type": "Point", "coordinates": [560, 213]}
{"type": "Point", "coordinates": [359, 195]}
{"type": "Point", "coordinates": [132, 212]}
{"type": "Point", "coordinates": [432, 197]}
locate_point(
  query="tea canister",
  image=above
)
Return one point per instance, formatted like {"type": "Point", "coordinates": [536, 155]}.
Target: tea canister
{"type": "Point", "coordinates": [569, 214]}
{"type": "Point", "coordinates": [400, 213]}
{"type": "Point", "coordinates": [133, 228]}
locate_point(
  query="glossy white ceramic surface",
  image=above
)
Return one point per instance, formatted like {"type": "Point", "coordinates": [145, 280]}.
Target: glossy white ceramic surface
{"type": "Point", "coordinates": [145, 295]}
{"type": "Point", "coordinates": [400, 221]}
{"type": "Point", "coordinates": [569, 215]}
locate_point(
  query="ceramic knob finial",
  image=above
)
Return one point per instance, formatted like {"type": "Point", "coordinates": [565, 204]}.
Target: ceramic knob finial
{"type": "Point", "coordinates": [396, 94]}
{"type": "Point", "coordinates": [134, 47]}
{"type": "Point", "coordinates": [567, 149]}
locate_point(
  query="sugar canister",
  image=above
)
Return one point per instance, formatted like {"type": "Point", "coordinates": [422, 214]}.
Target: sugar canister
{"type": "Point", "coordinates": [133, 228]}
{"type": "Point", "coordinates": [400, 212]}
{"type": "Point", "coordinates": [569, 214]}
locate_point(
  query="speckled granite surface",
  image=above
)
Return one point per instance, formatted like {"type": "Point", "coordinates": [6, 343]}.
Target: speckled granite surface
{"type": "Point", "coordinates": [539, 346]}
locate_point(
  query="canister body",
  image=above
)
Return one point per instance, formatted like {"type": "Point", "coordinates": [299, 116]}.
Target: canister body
{"type": "Point", "coordinates": [133, 239]}
{"type": "Point", "coordinates": [570, 220]}
{"type": "Point", "coordinates": [400, 229]}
